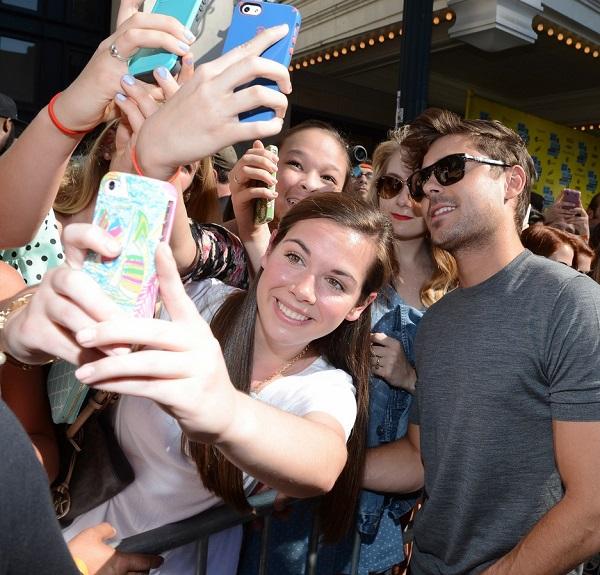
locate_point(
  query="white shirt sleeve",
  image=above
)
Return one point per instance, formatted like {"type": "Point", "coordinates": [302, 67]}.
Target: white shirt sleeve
{"type": "Point", "coordinates": [320, 387]}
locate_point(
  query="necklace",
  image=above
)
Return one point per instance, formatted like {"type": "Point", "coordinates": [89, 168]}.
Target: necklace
{"type": "Point", "coordinates": [262, 384]}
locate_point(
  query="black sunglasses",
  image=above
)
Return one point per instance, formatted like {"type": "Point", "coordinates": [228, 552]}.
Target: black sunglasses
{"type": "Point", "coordinates": [389, 187]}
{"type": "Point", "coordinates": [447, 171]}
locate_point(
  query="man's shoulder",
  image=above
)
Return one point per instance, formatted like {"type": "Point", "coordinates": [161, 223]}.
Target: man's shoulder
{"type": "Point", "coordinates": [542, 275]}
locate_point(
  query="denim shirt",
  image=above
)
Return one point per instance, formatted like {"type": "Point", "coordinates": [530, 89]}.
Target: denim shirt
{"type": "Point", "coordinates": [378, 514]}
{"type": "Point", "coordinates": [388, 409]}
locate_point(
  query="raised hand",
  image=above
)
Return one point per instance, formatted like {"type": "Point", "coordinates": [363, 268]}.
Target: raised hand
{"type": "Point", "coordinates": [202, 117]}
{"type": "Point", "coordinates": [179, 365]}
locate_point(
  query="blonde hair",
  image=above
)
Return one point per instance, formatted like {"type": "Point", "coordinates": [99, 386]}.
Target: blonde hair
{"type": "Point", "coordinates": [201, 199]}
{"type": "Point", "coordinates": [445, 274]}
{"type": "Point", "coordinates": [81, 180]}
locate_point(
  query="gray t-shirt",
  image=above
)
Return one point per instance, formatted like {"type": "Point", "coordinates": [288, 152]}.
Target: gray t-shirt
{"type": "Point", "coordinates": [496, 364]}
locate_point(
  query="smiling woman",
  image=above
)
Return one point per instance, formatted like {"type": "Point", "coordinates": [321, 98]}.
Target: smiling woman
{"type": "Point", "coordinates": [291, 354]}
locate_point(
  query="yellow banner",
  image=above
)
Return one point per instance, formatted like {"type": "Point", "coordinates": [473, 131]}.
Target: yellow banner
{"type": "Point", "coordinates": [564, 157]}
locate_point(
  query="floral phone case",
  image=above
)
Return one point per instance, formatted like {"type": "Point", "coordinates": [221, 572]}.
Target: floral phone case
{"type": "Point", "coordinates": [138, 212]}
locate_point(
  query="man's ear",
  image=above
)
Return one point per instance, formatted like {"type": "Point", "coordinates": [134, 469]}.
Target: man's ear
{"type": "Point", "coordinates": [355, 312]}
{"type": "Point", "coordinates": [6, 125]}
{"type": "Point", "coordinates": [515, 182]}
{"type": "Point", "coordinates": [263, 258]}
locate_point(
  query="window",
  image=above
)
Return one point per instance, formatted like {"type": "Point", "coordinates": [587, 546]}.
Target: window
{"type": "Point", "coordinates": [26, 4]}
{"type": "Point", "coordinates": [18, 64]}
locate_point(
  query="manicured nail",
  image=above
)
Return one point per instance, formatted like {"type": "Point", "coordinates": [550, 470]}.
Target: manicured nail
{"type": "Point", "coordinates": [85, 335]}
{"type": "Point", "coordinates": [189, 35]}
{"type": "Point", "coordinates": [183, 46]}
{"type": "Point", "coordinates": [128, 79]}
{"type": "Point", "coordinates": [162, 72]}
{"type": "Point", "coordinates": [84, 372]}
{"type": "Point", "coordinates": [188, 60]}
{"type": "Point", "coordinates": [121, 97]}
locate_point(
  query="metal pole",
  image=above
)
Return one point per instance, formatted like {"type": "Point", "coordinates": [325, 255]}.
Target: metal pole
{"type": "Point", "coordinates": [414, 60]}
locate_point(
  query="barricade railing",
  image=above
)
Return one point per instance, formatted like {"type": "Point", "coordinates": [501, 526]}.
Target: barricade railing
{"type": "Point", "coordinates": [200, 527]}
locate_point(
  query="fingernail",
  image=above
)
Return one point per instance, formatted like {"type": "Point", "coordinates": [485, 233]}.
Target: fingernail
{"type": "Point", "coordinates": [184, 46]}
{"type": "Point", "coordinates": [121, 97]}
{"type": "Point", "coordinates": [128, 79]}
{"type": "Point", "coordinates": [189, 35]}
{"type": "Point", "coordinates": [188, 60]}
{"type": "Point", "coordinates": [84, 372]}
{"type": "Point", "coordinates": [85, 335]}
{"type": "Point", "coordinates": [162, 72]}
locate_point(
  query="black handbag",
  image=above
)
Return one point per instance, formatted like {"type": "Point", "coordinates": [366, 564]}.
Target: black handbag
{"type": "Point", "coordinates": [93, 467]}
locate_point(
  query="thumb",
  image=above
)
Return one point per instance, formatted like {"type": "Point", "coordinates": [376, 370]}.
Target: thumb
{"type": "Point", "coordinates": [257, 144]}
{"type": "Point", "coordinates": [77, 239]}
{"type": "Point", "coordinates": [103, 531]}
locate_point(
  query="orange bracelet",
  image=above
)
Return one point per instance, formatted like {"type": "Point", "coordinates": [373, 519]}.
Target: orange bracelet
{"type": "Point", "coordinates": [139, 172]}
{"type": "Point", "coordinates": [56, 122]}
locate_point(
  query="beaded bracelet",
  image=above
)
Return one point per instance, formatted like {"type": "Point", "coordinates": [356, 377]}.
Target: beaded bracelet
{"type": "Point", "coordinates": [139, 172]}
{"type": "Point", "coordinates": [66, 131]}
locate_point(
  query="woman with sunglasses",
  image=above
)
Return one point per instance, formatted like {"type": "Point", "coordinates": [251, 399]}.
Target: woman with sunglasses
{"type": "Point", "coordinates": [423, 274]}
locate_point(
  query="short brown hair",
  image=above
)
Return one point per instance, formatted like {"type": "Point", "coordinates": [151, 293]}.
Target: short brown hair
{"type": "Point", "coordinates": [489, 136]}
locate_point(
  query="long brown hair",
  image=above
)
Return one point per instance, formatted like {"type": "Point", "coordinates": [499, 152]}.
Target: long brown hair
{"type": "Point", "coordinates": [347, 348]}
{"type": "Point", "coordinates": [445, 273]}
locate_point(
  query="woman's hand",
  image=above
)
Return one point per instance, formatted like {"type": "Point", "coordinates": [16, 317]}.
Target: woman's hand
{"type": "Point", "coordinates": [180, 365]}
{"type": "Point", "coordinates": [251, 170]}
{"type": "Point", "coordinates": [88, 101]}
{"type": "Point", "coordinates": [388, 361]}
{"type": "Point", "coordinates": [101, 559]}
{"type": "Point", "coordinates": [580, 221]}
{"type": "Point", "coordinates": [66, 301]}
{"type": "Point", "coordinates": [203, 116]}
{"type": "Point", "coordinates": [137, 101]}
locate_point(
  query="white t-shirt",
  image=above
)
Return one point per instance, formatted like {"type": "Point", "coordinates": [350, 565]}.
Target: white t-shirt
{"type": "Point", "coordinates": [167, 486]}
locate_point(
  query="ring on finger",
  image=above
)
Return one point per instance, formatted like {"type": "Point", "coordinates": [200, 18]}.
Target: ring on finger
{"type": "Point", "coordinates": [114, 52]}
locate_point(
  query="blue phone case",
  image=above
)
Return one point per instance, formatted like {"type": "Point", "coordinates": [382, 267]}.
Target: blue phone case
{"type": "Point", "coordinates": [190, 14]}
{"type": "Point", "coordinates": [245, 26]}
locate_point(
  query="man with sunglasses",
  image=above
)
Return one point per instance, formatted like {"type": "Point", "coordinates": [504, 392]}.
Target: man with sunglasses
{"type": "Point", "coordinates": [507, 417]}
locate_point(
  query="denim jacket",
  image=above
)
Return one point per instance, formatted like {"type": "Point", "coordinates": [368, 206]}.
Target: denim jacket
{"type": "Point", "coordinates": [388, 409]}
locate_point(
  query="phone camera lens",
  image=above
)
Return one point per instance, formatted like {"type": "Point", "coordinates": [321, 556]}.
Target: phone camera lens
{"type": "Point", "coordinates": [112, 185]}
{"type": "Point", "coordinates": [246, 9]}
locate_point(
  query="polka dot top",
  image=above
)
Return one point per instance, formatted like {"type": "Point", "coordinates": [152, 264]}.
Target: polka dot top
{"type": "Point", "coordinates": [41, 254]}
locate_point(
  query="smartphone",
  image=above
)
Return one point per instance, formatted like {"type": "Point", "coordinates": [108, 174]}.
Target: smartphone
{"type": "Point", "coordinates": [251, 17]}
{"type": "Point", "coordinates": [264, 210]}
{"type": "Point", "coordinates": [138, 212]}
{"type": "Point", "coordinates": [145, 60]}
{"type": "Point", "coordinates": [571, 196]}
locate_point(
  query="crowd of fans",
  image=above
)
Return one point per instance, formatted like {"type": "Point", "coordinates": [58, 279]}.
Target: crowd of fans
{"type": "Point", "coordinates": [397, 339]}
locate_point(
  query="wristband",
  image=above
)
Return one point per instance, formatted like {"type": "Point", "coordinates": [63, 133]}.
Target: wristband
{"type": "Point", "coordinates": [139, 172]}
{"type": "Point", "coordinates": [66, 131]}
{"type": "Point", "coordinates": [80, 564]}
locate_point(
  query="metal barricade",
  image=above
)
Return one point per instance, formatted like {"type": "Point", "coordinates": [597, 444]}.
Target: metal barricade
{"type": "Point", "coordinates": [200, 527]}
